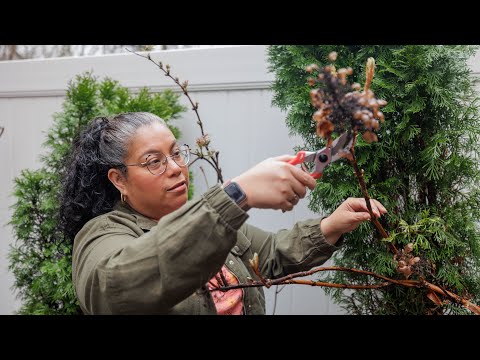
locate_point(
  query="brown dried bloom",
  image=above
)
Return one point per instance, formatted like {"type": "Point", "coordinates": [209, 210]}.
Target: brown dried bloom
{"type": "Point", "coordinates": [407, 263]}
{"type": "Point", "coordinates": [341, 106]}
{"type": "Point", "coordinates": [325, 128]}
{"type": "Point", "coordinates": [203, 141]}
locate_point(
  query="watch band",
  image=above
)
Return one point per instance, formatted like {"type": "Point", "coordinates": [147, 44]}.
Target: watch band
{"type": "Point", "coordinates": [236, 194]}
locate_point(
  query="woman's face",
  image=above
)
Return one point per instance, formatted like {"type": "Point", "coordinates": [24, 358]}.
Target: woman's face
{"type": "Point", "coordinates": [155, 195]}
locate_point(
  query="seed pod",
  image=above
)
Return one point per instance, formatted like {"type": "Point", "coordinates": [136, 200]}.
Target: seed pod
{"type": "Point", "coordinates": [408, 248]}
{"type": "Point", "coordinates": [342, 75]}
{"type": "Point", "coordinates": [312, 67]}
{"type": "Point", "coordinates": [370, 137]}
{"type": "Point", "coordinates": [367, 123]}
{"type": "Point", "coordinates": [402, 263]}
{"type": "Point", "coordinates": [332, 56]}
{"type": "Point", "coordinates": [356, 86]}
{"type": "Point", "coordinates": [363, 101]}
{"type": "Point", "coordinates": [357, 115]}
{"type": "Point", "coordinates": [373, 104]}
{"type": "Point", "coordinates": [325, 128]}
{"type": "Point", "coordinates": [331, 69]}
{"type": "Point", "coordinates": [311, 81]}
{"type": "Point", "coordinates": [319, 116]}
{"type": "Point", "coordinates": [313, 94]}
{"type": "Point", "coordinates": [380, 116]}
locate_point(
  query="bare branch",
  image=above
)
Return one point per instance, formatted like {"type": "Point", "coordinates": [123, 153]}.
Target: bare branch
{"type": "Point", "coordinates": [184, 85]}
{"type": "Point", "coordinates": [289, 279]}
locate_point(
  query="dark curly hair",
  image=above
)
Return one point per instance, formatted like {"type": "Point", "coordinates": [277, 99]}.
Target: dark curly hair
{"type": "Point", "coordinates": [86, 190]}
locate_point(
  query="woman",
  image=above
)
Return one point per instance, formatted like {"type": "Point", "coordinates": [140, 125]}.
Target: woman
{"type": "Point", "coordinates": [140, 248]}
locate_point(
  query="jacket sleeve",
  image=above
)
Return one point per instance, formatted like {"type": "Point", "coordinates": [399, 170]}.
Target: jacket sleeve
{"type": "Point", "coordinates": [118, 271]}
{"type": "Point", "coordinates": [288, 251]}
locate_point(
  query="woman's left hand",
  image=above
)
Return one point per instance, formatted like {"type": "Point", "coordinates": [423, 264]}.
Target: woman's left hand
{"type": "Point", "coordinates": [348, 216]}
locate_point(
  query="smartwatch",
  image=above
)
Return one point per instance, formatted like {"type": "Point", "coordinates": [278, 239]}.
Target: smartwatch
{"type": "Point", "coordinates": [236, 194]}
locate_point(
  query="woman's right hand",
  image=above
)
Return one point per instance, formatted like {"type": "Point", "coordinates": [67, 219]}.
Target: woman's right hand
{"type": "Point", "coordinates": [275, 184]}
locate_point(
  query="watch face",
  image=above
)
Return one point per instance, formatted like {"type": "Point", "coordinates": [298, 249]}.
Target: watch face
{"type": "Point", "coordinates": [235, 192]}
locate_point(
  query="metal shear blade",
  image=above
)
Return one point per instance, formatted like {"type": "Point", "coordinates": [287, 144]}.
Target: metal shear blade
{"type": "Point", "coordinates": [325, 156]}
{"type": "Point", "coordinates": [341, 146]}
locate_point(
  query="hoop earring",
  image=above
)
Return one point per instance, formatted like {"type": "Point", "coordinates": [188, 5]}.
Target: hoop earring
{"type": "Point", "coordinates": [122, 198]}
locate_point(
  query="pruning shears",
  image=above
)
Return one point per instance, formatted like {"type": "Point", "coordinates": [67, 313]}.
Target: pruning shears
{"type": "Point", "coordinates": [323, 157]}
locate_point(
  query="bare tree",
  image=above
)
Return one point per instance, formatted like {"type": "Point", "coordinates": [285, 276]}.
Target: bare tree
{"type": "Point", "coordinates": [15, 52]}
{"type": "Point", "coordinates": [9, 52]}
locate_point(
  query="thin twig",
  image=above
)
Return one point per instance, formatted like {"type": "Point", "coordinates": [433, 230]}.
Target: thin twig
{"type": "Point", "coordinates": [205, 176]}
{"type": "Point", "coordinates": [277, 291]}
{"type": "Point", "coordinates": [201, 156]}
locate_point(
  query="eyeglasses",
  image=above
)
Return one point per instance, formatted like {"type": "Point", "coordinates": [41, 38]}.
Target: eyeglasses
{"type": "Point", "coordinates": [157, 163]}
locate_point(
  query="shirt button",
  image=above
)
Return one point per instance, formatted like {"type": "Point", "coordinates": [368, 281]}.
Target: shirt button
{"type": "Point", "coordinates": [236, 248]}
{"type": "Point", "coordinates": [231, 262]}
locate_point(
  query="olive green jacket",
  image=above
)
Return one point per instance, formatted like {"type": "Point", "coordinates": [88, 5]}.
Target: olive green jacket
{"type": "Point", "coordinates": [126, 263]}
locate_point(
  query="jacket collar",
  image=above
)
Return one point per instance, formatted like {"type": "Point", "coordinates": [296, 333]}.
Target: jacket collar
{"type": "Point", "coordinates": [141, 220]}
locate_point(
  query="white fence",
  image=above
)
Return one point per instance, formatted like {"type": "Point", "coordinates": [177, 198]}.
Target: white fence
{"type": "Point", "coordinates": [232, 86]}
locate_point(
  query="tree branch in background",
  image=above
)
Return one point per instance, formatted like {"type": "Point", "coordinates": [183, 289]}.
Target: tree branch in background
{"type": "Point", "coordinates": [203, 151]}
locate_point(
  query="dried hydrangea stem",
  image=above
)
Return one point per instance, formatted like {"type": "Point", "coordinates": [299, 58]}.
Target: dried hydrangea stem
{"type": "Point", "coordinates": [363, 186]}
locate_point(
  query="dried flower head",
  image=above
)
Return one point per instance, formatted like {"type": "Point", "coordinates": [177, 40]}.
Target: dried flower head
{"type": "Point", "coordinates": [407, 263]}
{"type": "Point", "coordinates": [343, 107]}
{"type": "Point", "coordinates": [203, 141]}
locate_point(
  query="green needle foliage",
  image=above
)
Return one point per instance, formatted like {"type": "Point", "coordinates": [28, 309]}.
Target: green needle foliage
{"type": "Point", "coordinates": [424, 169]}
{"type": "Point", "coordinates": [41, 259]}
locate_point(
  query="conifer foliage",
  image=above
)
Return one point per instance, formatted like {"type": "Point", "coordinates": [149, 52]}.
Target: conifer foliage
{"type": "Point", "coordinates": [40, 258]}
{"type": "Point", "coordinates": [424, 168]}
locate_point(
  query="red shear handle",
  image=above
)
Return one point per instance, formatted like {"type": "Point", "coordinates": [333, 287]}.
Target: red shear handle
{"type": "Point", "coordinates": [299, 159]}
{"type": "Point", "coordinates": [316, 175]}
